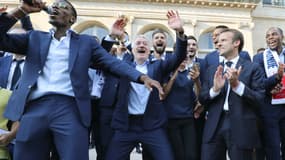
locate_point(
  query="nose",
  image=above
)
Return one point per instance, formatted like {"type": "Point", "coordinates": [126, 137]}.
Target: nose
{"type": "Point", "coordinates": [219, 44]}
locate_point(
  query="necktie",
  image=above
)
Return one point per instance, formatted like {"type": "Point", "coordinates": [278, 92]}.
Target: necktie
{"type": "Point", "coordinates": [226, 88]}
{"type": "Point", "coordinates": [229, 64]}
{"type": "Point", "coordinates": [17, 74]}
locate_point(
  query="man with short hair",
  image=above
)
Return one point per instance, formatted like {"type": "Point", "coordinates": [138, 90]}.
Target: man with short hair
{"type": "Point", "coordinates": [140, 115]}
{"type": "Point", "coordinates": [213, 58]}
{"type": "Point", "coordinates": [159, 42]}
{"type": "Point", "coordinates": [231, 94]}
{"type": "Point", "coordinates": [272, 110]}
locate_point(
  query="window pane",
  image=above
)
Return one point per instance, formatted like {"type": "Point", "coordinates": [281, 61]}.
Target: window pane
{"type": "Point", "coordinates": [205, 41]}
{"type": "Point", "coordinates": [96, 31]}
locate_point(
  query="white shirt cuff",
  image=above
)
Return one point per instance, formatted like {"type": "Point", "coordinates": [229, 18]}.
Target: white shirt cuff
{"type": "Point", "coordinates": [213, 94]}
{"type": "Point", "coordinates": [239, 89]}
{"type": "Point", "coordinates": [109, 38]}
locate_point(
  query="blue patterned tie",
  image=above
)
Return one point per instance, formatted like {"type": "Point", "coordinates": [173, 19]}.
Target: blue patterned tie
{"type": "Point", "coordinates": [17, 74]}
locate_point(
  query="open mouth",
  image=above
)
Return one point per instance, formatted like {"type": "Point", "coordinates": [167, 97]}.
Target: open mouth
{"type": "Point", "coordinates": [272, 43]}
{"type": "Point", "coordinates": [159, 45]}
{"type": "Point", "coordinates": [141, 51]}
{"type": "Point", "coordinates": [191, 50]}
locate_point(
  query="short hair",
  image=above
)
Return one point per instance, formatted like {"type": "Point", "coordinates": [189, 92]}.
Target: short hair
{"type": "Point", "coordinates": [191, 37]}
{"type": "Point", "coordinates": [238, 36]}
{"type": "Point", "coordinates": [158, 31]}
{"type": "Point", "coordinates": [72, 8]}
{"type": "Point", "coordinates": [222, 27]}
{"type": "Point", "coordinates": [140, 36]}
{"type": "Point", "coordinates": [259, 50]}
{"type": "Point", "coordinates": [278, 30]}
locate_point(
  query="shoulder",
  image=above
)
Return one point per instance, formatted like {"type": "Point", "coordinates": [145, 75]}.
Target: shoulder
{"type": "Point", "coordinates": [258, 57]}
{"type": "Point", "coordinates": [212, 54]}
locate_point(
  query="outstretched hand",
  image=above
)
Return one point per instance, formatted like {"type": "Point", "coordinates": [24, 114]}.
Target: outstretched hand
{"type": "Point", "coordinates": [174, 21]}
{"type": "Point", "coordinates": [150, 83]}
{"type": "Point", "coordinates": [118, 28]}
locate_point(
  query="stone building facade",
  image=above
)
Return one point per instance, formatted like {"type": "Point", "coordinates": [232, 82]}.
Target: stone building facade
{"type": "Point", "coordinates": [251, 17]}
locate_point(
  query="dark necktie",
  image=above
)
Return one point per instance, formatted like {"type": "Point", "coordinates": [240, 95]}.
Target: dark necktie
{"type": "Point", "coordinates": [229, 64]}
{"type": "Point", "coordinates": [17, 74]}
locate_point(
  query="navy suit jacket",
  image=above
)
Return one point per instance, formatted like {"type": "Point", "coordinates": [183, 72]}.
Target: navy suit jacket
{"type": "Point", "coordinates": [202, 68]}
{"type": "Point", "coordinates": [35, 45]}
{"type": "Point", "coordinates": [155, 114]}
{"type": "Point", "coordinates": [5, 65]}
{"type": "Point", "coordinates": [111, 85]}
{"type": "Point", "coordinates": [243, 109]}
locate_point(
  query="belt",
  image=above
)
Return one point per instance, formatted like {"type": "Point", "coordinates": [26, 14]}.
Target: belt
{"type": "Point", "coordinates": [225, 112]}
{"type": "Point", "coordinates": [136, 116]}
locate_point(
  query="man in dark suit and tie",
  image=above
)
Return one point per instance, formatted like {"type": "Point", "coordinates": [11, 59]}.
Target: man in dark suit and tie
{"type": "Point", "coordinates": [52, 100]}
{"type": "Point", "coordinates": [232, 102]}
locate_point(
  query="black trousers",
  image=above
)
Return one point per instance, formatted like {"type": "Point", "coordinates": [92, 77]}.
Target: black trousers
{"type": "Point", "coordinates": [182, 135]}
{"type": "Point", "coordinates": [217, 148]}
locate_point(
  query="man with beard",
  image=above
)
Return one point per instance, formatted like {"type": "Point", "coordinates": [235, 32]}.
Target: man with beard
{"type": "Point", "coordinates": [159, 42]}
{"type": "Point", "coordinates": [272, 111]}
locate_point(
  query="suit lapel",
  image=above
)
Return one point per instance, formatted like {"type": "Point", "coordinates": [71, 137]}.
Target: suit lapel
{"type": "Point", "coordinates": [73, 51]}
{"type": "Point", "coordinates": [45, 41]}
{"type": "Point", "coordinates": [239, 63]}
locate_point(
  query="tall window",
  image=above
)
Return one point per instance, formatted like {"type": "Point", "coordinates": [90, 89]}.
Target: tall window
{"type": "Point", "coordinates": [205, 41]}
{"type": "Point", "coordinates": [279, 3]}
{"type": "Point", "coordinates": [95, 30]}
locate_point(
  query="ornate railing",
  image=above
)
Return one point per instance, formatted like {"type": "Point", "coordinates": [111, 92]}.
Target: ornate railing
{"type": "Point", "coordinates": [276, 3]}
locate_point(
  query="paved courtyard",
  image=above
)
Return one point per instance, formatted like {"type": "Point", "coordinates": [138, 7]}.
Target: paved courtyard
{"type": "Point", "coordinates": [134, 155]}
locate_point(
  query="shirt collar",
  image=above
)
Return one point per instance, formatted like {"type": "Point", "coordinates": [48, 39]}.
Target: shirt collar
{"type": "Point", "coordinates": [144, 64]}
{"type": "Point", "coordinates": [68, 33]}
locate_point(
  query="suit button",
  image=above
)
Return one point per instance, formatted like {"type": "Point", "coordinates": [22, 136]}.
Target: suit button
{"type": "Point", "coordinates": [30, 86]}
{"type": "Point", "coordinates": [40, 71]}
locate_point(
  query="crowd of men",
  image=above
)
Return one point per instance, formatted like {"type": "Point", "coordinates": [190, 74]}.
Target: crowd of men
{"type": "Point", "coordinates": [70, 91]}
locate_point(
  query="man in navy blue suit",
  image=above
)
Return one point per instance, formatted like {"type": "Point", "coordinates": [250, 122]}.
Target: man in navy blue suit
{"type": "Point", "coordinates": [139, 115]}
{"type": "Point", "coordinates": [272, 114]}
{"type": "Point", "coordinates": [52, 100]}
{"type": "Point", "coordinates": [213, 58]}
{"type": "Point", "coordinates": [231, 95]}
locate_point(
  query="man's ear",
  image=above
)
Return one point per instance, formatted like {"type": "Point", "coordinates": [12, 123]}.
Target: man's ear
{"type": "Point", "coordinates": [72, 20]}
{"type": "Point", "coordinates": [237, 43]}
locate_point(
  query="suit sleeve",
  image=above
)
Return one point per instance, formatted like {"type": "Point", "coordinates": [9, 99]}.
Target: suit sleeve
{"type": "Point", "coordinates": [108, 63]}
{"type": "Point", "coordinates": [254, 93]}
{"type": "Point", "coordinates": [14, 43]}
{"type": "Point", "coordinates": [268, 82]}
{"type": "Point", "coordinates": [27, 23]}
{"type": "Point", "coordinates": [176, 58]}
{"type": "Point", "coordinates": [245, 55]}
